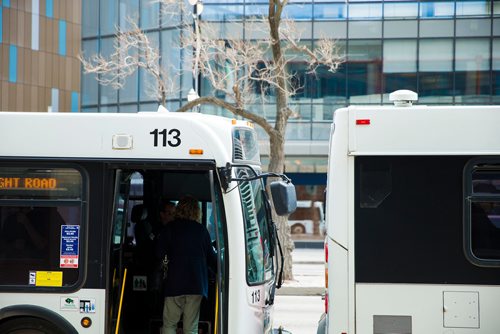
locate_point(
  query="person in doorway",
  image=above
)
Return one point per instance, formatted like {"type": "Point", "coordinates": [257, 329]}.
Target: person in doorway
{"type": "Point", "coordinates": [190, 253]}
{"type": "Point", "coordinates": [167, 211]}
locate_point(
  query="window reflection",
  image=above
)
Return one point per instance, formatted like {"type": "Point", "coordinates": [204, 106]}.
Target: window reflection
{"type": "Point", "coordinates": [471, 65]}
{"type": "Point", "coordinates": [365, 11]}
{"type": "Point", "coordinates": [108, 16]}
{"type": "Point", "coordinates": [364, 67]}
{"type": "Point", "coordinates": [434, 9]}
{"type": "Point", "coordinates": [399, 10]}
{"type": "Point", "coordinates": [436, 76]}
{"type": "Point", "coordinates": [298, 11]}
{"type": "Point", "coordinates": [496, 70]}
{"type": "Point", "coordinates": [89, 82]}
{"type": "Point", "coordinates": [473, 8]}
{"type": "Point", "coordinates": [107, 93]}
{"type": "Point", "coordinates": [400, 65]}
{"type": "Point", "coordinates": [222, 13]}
{"type": "Point", "coordinates": [330, 11]}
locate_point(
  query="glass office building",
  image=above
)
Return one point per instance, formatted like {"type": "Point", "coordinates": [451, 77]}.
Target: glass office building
{"type": "Point", "coordinates": [446, 51]}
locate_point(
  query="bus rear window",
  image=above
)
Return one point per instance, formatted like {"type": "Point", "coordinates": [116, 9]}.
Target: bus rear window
{"type": "Point", "coordinates": [40, 227]}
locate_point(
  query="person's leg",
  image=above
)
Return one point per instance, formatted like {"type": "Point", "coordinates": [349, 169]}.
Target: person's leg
{"type": "Point", "coordinates": [191, 314]}
{"type": "Point", "coordinates": [172, 311]}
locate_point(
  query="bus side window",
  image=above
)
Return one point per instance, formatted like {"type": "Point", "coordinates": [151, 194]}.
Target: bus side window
{"type": "Point", "coordinates": [483, 218]}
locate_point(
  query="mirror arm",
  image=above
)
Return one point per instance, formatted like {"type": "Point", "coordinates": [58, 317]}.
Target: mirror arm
{"type": "Point", "coordinates": [225, 172]}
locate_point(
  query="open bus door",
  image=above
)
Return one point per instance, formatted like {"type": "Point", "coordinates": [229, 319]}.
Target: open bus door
{"type": "Point", "coordinates": [135, 301]}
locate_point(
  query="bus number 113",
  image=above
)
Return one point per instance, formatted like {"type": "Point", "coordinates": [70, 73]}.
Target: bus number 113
{"type": "Point", "coordinates": [171, 138]}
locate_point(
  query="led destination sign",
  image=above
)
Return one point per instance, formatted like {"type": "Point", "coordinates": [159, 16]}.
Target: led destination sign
{"type": "Point", "coordinates": [19, 182]}
{"type": "Point", "coordinates": [28, 183]}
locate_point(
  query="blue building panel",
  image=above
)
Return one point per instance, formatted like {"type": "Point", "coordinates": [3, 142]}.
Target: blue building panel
{"type": "Point", "coordinates": [12, 63]}
{"type": "Point", "coordinates": [49, 8]}
{"type": "Point", "coordinates": [74, 101]}
{"type": "Point", "coordinates": [62, 38]}
{"type": "Point", "coordinates": [1, 24]}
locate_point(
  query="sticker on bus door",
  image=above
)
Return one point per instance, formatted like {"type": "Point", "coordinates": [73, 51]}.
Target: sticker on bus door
{"type": "Point", "coordinates": [70, 237]}
{"type": "Point", "coordinates": [256, 295]}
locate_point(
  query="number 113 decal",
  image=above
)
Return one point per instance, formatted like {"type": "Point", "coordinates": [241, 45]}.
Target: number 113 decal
{"type": "Point", "coordinates": [170, 137]}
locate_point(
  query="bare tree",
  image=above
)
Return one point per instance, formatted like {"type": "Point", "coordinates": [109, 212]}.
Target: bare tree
{"type": "Point", "coordinates": [237, 68]}
{"type": "Point", "coordinates": [240, 72]}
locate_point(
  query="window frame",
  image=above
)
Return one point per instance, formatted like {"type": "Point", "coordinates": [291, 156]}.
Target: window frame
{"type": "Point", "coordinates": [268, 267]}
{"type": "Point", "coordinates": [81, 203]}
{"type": "Point", "coordinates": [469, 198]}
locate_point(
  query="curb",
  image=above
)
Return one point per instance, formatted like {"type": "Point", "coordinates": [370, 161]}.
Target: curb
{"type": "Point", "coordinates": [309, 262]}
{"type": "Point", "coordinates": [300, 291]}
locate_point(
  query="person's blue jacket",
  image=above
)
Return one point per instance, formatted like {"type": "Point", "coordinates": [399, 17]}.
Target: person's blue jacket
{"type": "Point", "coordinates": [190, 253]}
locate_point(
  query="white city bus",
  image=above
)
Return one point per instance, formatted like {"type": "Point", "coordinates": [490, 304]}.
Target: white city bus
{"type": "Point", "coordinates": [74, 189]}
{"type": "Point", "coordinates": [412, 214]}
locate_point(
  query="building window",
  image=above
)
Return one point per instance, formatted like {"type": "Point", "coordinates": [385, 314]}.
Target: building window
{"type": "Point", "coordinates": [108, 17]}
{"type": "Point", "coordinates": [472, 75]}
{"type": "Point", "coordinates": [436, 71]}
{"type": "Point", "coordinates": [49, 8]}
{"type": "Point", "coordinates": [364, 71]}
{"type": "Point", "coordinates": [496, 71]}
{"type": "Point", "coordinates": [482, 212]}
{"type": "Point", "coordinates": [54, 100]}
{"type": "Point", "coordinates": [35, 24]}
{"type": "Point", "coordinates": [1, 24]}
{"type": "Point", "coordinates": [13, 63]}
{"type": "Point", "coordinates": [436, 9]}
{"type": "Point", "coordinates": [74, 101]}
{"type": "Point", "coordinates": [400, 65]}
{"type": "Point", "coordinates": [62, 38]}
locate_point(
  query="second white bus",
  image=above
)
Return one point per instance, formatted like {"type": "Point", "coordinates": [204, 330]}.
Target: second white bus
{"type": "Point", "coordinates": [413, 220]}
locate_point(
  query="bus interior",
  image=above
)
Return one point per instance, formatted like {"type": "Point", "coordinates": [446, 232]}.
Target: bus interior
{"type": "Point", "coordinates": [137, 197]}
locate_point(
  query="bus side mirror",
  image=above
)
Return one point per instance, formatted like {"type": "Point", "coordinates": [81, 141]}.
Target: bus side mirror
{"type": "Point", "coordinates": [284, 197]}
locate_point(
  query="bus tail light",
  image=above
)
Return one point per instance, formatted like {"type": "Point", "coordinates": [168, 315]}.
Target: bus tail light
{"type": "Point", "coordinates": [362, 122]}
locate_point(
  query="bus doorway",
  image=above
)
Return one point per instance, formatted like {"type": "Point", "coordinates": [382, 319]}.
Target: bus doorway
{"type": "Point", "coordinates": [135, 284]}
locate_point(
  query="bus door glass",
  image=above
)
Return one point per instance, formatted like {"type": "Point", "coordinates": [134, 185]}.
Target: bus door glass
{"type": "Point", "coordinates": [216, 228]}
{"type": "Point", "coordinates": [120, 239]}
{"type": "Point", "coordinates": [259, 262]}
{"type": "Point", "coordinates": [41, 227]}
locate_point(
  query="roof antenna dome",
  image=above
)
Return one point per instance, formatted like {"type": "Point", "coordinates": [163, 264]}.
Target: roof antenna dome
{"type": "Point", "coordinates": [403, 98]}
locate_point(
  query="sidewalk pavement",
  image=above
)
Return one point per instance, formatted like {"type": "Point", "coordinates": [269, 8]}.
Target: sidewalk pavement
{"type": "Point", "coordinates": [308, 273]}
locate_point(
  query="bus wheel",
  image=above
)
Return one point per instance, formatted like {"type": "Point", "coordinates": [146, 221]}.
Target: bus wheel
{"type": "Point", "coordinates": [298, 229]}
{"type": "Point", "coordinates": [29, 325]}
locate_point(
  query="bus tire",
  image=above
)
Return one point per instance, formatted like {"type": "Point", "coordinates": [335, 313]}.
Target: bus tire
{"type": "Point", "coordinates": [298, 229]}
{"type": "Point", "coordinates": [32, 325]}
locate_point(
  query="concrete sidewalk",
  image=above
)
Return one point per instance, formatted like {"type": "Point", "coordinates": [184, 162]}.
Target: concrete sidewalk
{"type": "Point", "coordinates": [308, 272]}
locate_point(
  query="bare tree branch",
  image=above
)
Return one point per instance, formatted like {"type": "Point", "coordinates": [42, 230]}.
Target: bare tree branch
{"type": "Point", "coordinates": [132, 50]}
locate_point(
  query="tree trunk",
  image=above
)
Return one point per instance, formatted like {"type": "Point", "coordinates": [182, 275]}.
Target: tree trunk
{"type": "Point", "coordinates": [276, 164]}
{"type": "Point", "coordinates": [277, 137]}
